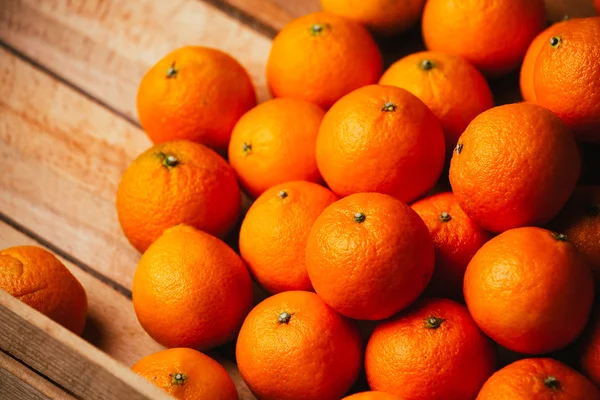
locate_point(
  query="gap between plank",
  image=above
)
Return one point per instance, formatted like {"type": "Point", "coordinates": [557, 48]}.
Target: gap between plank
{"type": "Point", "coordinates": [62, 80]}
{"type": "Point", "coordinates": [243, 17]}
{"type": "Point", "coordinates": [27, 232]}
{"type": "Point", "coordinates": [38, 373]}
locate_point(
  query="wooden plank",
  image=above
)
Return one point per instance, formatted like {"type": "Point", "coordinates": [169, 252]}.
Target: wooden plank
{"type": "Point", "coordinates": [105, 46]}
{"type": "Point", "coordinates": [111, 325]}
{"type": "Point", "coordinates": [61, 157]}
{"type": "Point", "coordinates": [17, 382]}
{"type": "Point", "coordinates": [275, 13]}
{"type": "Point", "coordinates": [66, 358]}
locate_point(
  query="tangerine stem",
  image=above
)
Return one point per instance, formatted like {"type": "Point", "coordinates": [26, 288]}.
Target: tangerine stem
{"type": "Point", "coordinates": [178, 378]}
{"type": "Point", "coordinates": [552, 383]}
{"type": "Point", "coordinates": [445, 217]}
{"type": "Point", "coordinates": [284, 317]}
{"type": "Point", "coordinates": [359, 217]}
{"type": "Point", "coordinates": [433, 322]}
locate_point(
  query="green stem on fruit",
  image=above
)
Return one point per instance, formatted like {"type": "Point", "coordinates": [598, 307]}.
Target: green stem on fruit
{"type": "Point", "coordinates": [433, 322]}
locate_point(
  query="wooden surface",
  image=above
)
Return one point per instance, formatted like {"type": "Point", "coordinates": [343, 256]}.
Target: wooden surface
{"type": "Point", "coordinates": [17, 382]}
{"type": "Point", "coordinates": [69, 71]}
{"type": "Point", "coordinates": [68, 360]}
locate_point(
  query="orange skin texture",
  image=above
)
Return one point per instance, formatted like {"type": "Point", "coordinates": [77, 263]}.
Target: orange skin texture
{"type": "Point", "coordinates": [203, 377]}
{"type": "Point", "coordinates": [382, 17]}
{"type": "Point", "coordinates": [363, 148]}
{"type": "Point", "coordinates": [529, 291]}
{"type": "Point", "coordinates": [453, 89]}
{"type": "Point", "coordinates": [372, 269]}
{"type": "Point", "coordinates": [410, 359]}
{"type": "Point", "coordinates": [567, 76]}
{"type": "Point", "coordinates": [323, 66]}
{"type": "Point", "coordinates": [580, 221]}
{"type": "Point", "coordinates": [527, 68]}
{"type": "Point", "coordinates": [207, 83]}
{"type": "Point", "coordinates": [517, 166]}
{"type": "Point", "coordinates": [524, 380]}
{"type": "Point", "coordinates": [493, 35]}
{"type": "Point", "coordinates": [37, 278]}
{"type": "Point", "coordinates": [191, 290]}
{"type": "Point", "coordinates": [316, 355]}
{"type": "Point", "coordinates": [282, 134]}
{"type": "Point", "coordinates": [590, 357]}
{"type": "Point", "coordinates": [275, 230]}
{"type": "Point", "coordinates": [201, 191]}
{"type": "Point", "coordinates": [456, 241]}
{"type": "Point", "coordinates": [372, 395]}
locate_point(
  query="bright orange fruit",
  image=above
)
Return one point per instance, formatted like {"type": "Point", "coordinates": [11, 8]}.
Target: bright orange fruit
{"type": "Point", "coordinates": [530, 290]}
{"type": "Point", "coordinates": [567, 75]}
{"type": "Point", "coordinates": [179, 182]}
{"type": "Point", "coordinates": [37, 278]}
{"type": "Point", "coordinates": [194, 93]}
{"type": "Point", "coordinates": [294, 346]}
{"type": "Point", "coordinates": [580, 221]}
{"type": "Point", "coordinates": [515, 165]}
{"type": "Point", "coordinates": [275, 230]}
{"type": "Point", "coordinates": [383, 17]}
{"type": "Point", "coordinates": [369, 256]}
{"type": "Point", "coordinates": [538, 378]}
{"type": "Point", "coordinates": [456, 239]}
{"type": "Point", "coordinates": [449, 85]}
{"type": "Point", "coordinates": [433, 350]}
{"type": "Point", "coordinates": [191, 290]}
{"type": "Point", "coordinates": [187, 374]}
{"type": "Point", "coordinates": [494, 36]}
{"type": "Point", "coordinates": [372, 395]}
{"type": "Point", "coordinates": [320, 57]}
{"type": "Point", "coordinates": [275, 143]}
{"type": "Point", "coordinates": [589, 361]}
{"type": "Point", "coordinates": [380, 139]}
{"type": "Point", "coordinates": [527, 68]}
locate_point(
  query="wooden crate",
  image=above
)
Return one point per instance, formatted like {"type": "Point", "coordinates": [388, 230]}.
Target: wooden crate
{"type": "Point", "coordinates": [68, 129]}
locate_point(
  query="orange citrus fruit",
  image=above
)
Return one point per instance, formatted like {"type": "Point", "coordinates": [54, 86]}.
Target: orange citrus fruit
{"type": "Point", "coordinates": [449, 85]}
{"type": "Point", "coordinates": [187, 374]}
{"type": "Point", "coordinates": [275, 230]}
{"type": "Point", "coordinates": [191, 290]}
{"type": "Point", "coordinates": [320, 57]}
{"type": "Point", "coordinates": [589, 361]}
{"type": "Point", "coordinates": [380, 139]}
{"type": "Point", "coordinates": [369, 256]}
{"type": "Point", "coordinates": [538, 378]}
{"type": "Point", "coordinates": [530, 290]}
{"type": "Point", "coordinates": [37, 278]}
{"type": "Point", "coordinates": [275, 143]}
{"type": "Point", "coordinates": [383, 17]}
{"type": "Point", "coordinates": [194, 93]}
{"type": "Point", "coordinates": [494, 36]}
{"type": "Point", "coordinates": [372, 395]}
{"type": "Point", "coordinates": [179, 182]}
{"type": "Point", "coordinates": [515, 165]}
{"type": "Point", "coordinates": [294, 346]}
{"type": "Point", "coordinates": [580, 221]}
{"type": "Point", "coordinates": [456, 239]}
{"type": "Point", "coordinates": [567, 76]}
{"type": "Point", "coordinates": [433, 350]}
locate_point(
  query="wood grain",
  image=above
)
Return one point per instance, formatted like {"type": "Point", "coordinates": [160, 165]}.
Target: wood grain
{"type": "Point", "coordinates": [67, 359]}
{"type": "Point", "coordinates": [62, 156]}
{"type": "Point", "coordinates": [275, 13]}
{"type": "Point", "coordinates": [112, 325]}
{"type": "Point", "coordinates": [105, 46]}
{"type": "Point", "coordinates": [17, 382]}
